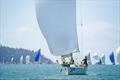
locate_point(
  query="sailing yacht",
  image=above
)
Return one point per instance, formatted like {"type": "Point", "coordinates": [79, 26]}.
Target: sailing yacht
{"type": "Point", "coordinates": [57, 22]}
{"type": "Point", "coordinates": [21, 59]}
{"type": "Point", "coordinates": [96, 58]}
{"type": "Point", "coordinates": [102, 59]}
{"type": "Point", "coordinates": [89, 58]}
{"type": "Point", "coordinates": [118, 55]}
{"type": "Point", "coordinates": [12, 59]}
{"type": "Point", "coordinates": [112, 58]}
{"type": "Point", "coordinates": [99, 59]}
{"type": "Point", "coordinates": [28, 59]}
{"type": "Point", "coordinates": [38, 56]}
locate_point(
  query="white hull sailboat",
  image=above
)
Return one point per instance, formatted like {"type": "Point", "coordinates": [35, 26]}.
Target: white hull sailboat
{"type": "Point", "coordinates": [57, 22]}
{"type": "Point", "coordinates": [75, 70]}
{"type": "Point", "coordinates": [70, 68]}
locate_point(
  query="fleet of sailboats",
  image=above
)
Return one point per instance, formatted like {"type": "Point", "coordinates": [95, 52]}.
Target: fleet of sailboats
{"type": "Point", "coordinates": [97, 59]}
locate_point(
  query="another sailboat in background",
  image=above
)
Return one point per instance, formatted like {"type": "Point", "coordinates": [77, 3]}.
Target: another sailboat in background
{"type": "Point", "coordinates": [96, 58]}
{"type": "Point", "coordinates": [102, 58]}
{"type": "Point", "coordinates": [21, 59]}
{"type": "Point", "coordinates": [28, 59]}
{"type": "Point", "coordinates": [12, 60]}
{"type": "Point", "coordinates": [38, 56]}
{"type": "Point", "coordinates": [118, 55]}
{"type": "Point", "coordinates": [99, 59]}
{"type": "Point", "coordinates": [89, 58]}
{"type": "Point", "coordinates": [112, 58]}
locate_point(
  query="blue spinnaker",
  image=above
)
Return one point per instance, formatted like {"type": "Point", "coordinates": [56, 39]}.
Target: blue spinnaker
{"type": "Point", "coordinates": [112, 59]}
{"type": "Point", "coordinates": [100, 61]}
{"type": "Point", "coordinates": [37, 55]}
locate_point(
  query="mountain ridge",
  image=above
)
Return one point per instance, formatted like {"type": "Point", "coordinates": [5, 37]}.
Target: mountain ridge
{"type": "Point", "coordinates": [6, 53]}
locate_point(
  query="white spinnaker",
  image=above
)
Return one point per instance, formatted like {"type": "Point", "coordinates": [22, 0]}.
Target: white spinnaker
{"type": "Point", "coordinates": [12, 59]}
{"type": "Point", "coordinates": [21, 59]}
{"type": "Point", "coordinates": [27, 59]}
{"type": "Point", "coordinates": [118, 55]}
{"type": "Point", "coordinates": [103, 58]}
{"type": "Point", "coordinates": [89, 58]}
{"type": "Point", "coordinates": [96, 56]}
{"type": "Point", "coordinates": [57, 22]}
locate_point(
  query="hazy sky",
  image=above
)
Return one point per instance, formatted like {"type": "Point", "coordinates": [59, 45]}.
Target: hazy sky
{"type": "Point", "coordinates": [100, 32]}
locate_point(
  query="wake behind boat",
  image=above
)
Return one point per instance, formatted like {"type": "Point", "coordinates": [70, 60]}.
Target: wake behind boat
{"type": "Point", "coordinates": [57, 22]}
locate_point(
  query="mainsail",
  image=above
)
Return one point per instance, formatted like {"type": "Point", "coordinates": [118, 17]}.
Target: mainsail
{"type": "Point", "coordinates": [57, 22]}
{"type": "Point", "coordinates": [37, 55]}
{"type": "Point", "coordinates": [112, 59]}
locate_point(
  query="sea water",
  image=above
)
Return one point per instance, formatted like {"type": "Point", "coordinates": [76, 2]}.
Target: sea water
{"type": "Point", "coordinates": [52, 72]}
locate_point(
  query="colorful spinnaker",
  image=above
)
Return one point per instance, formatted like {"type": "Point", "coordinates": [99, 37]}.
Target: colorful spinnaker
{"type": "Point", "coordinates": [37, 55]}
{"type": "Point", "coordinates": [112, 59]}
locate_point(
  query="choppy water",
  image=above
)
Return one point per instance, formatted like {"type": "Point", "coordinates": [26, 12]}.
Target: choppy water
{"type": "Point", "coordinates": [52, 72]}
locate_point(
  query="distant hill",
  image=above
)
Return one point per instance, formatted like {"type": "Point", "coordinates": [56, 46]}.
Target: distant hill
{"type": "Point", "coordinates": [6, 53]}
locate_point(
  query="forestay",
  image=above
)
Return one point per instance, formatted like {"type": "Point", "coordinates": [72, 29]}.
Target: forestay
{"type": "Point", "coordinates": [57, 22]}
